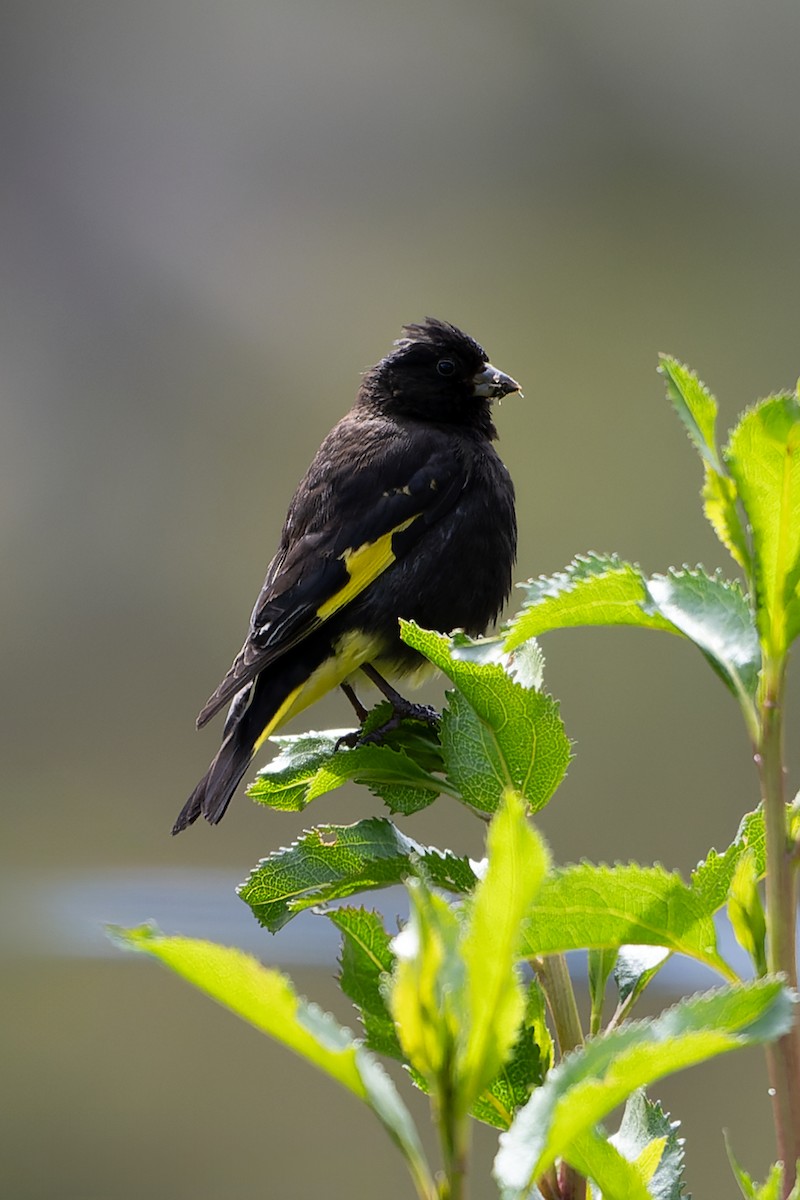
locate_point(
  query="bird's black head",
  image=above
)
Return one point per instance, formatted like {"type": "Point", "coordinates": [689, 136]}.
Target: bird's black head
{"type": "Point", "coordinates": [437, 373]}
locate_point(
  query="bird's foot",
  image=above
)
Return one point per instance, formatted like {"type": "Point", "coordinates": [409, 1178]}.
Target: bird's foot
{"type": "Point", "coordinates": [407, 711]}
{"type": "Point", "coordinates": [402, 710]}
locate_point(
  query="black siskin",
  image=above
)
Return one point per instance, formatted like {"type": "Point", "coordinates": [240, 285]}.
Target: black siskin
{"type": "Point", "coordinates": [406, 511]}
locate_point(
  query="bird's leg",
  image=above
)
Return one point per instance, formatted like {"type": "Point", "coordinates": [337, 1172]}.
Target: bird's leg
{"type": "Point", "coordinates": [400, 708]}
{"type": "Point", "coordinates": [349, 691]}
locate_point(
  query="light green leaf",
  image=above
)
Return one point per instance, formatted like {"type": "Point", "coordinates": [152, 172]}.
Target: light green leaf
{"type": "Point", "coordinates": [495, 733]}
{"type": "Point", "coordinates": [518, 862]}
{"type": "Point", "coordinates": [763, 456]}
{"type": "Point", "coordinates": [697, 409]}
{"type": "Point", "coordinates": [695, 405]}
{"type": "Point", "coordinates": [593, 1080]}
{"type": "Point", "coordinates": [770, 1189]}
{"type": "Point", "coordinates": [593, 589]}
{"type": "Point", "coordinates": [710, 611]}
{"type": "Point", "coordinates": [711, 879]}
{"type": "Point", "coordinates": [266, 999]}
{"type": "Point", "coordinates": [588, 906]}
{"type": "Point", "coordinates": [599, 1160]}
{"type": "Point", "coordinates": [746, 912]}
{"type": "Point", "coordinates": [309, 765]}
{"type": "Point", "coordinates": [427, 995]}
{"type": "Point", "coordinates": [720, 505]}
{"type": "Point", "coordinates": [332, 862]}
{"type": "Point", "coordinates": [526, 1067]}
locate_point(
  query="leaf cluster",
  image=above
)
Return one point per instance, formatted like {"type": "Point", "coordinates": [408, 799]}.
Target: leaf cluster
{"type": "Point", "coordinates": [472, 995]}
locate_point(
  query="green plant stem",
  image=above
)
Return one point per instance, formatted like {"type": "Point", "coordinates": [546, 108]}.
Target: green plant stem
{"type": "Point", "coordinates": [783, 1057]}
{"type": "Point", "coordinates": [557, 986]}
{"type": "Point", "coordinates": [454, 1132]}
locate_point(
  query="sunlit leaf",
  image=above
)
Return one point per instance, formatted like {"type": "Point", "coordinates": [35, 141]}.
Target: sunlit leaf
{"type": "Point", "coordinates": [588, 906]}
{"type": "Point", "coordinates": [518, 862]}
{"type": "Point", "coordinates": [593, 1080]}
{"type": "Point", "coordinates": [763, 456]}
{"type": "Point", "coordinates": [266, 999]}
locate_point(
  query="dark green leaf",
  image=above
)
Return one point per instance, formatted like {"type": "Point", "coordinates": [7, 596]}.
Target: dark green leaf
{"type": "Point", "coordinates": [496, 733]}
{"type": "Point", "coordinates": [309, 765]}
{"type": "Point", "coordinates": [646, 1128]}
{"type": "Point", "coordinates": [332, 862]}
{"type": "Point", "coordinates": [366, 960]}
{"type": "Point", "coordinates": [715, 614]}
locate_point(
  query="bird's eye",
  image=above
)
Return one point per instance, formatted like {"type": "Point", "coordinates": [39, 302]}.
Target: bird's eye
{"type": "Point", "coordinates": [446, 366]}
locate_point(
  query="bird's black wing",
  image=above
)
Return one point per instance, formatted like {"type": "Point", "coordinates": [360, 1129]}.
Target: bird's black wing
{"type": "Point", "coordinates": [352, 516]}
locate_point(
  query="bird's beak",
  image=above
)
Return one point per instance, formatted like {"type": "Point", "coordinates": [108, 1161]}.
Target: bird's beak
{"type": "Point", "coordinates": [492, 383]}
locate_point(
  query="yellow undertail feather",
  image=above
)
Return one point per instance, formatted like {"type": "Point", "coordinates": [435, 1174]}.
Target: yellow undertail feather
{"type": "Point", "coordinates": [352, 649]}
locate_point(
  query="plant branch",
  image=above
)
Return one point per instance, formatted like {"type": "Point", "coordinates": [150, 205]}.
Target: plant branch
{"type": "Point", "coordinates": [557, 986]}
{"type": "Point", "coordinates": [454, 1131]}
{"type": "Point", "coordinates": [783, 1057]}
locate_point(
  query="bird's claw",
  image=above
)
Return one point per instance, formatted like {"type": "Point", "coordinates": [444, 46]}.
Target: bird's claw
{"type": "Point", "coordinates": [413, 712]}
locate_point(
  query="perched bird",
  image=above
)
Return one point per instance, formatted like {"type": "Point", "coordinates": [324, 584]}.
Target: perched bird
{"type": "Point", "coordinates": [405, 511]}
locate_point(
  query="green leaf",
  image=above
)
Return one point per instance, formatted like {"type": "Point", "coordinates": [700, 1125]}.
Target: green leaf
{"type": "Point", "coordinates": [427, 994]}
{"type": "Point", "coordinates": [763, 456]}
{"type": "Point", "coordinates": [647, 1136]}
{"type": "Point", "coordinates": [720, 505]}
{"type": "Point", "coordinates": [706, 609]}
{"type": "Point", "coordinates": [526, 1067]}
{"type": "Point", "coordinates": [590, 1082]}
{"type": "Point", "coordinates": [715, 614]}
{"type": "Point", "coordinates": [332, 862]}
{"type": "Point", "coordinates": [771, 1189]}
{"type": "Point", "coordinates": [598, 1159]}
{"type": "Point", "coordinates": [496, 733]}
{"type": "Point", "coordinates": [712, 878]}
{"type": "Point", "coordinates": [695, 405]}
{"type": "Point", "coordinates": [366, 962]}
{"type": "Point", "coordinates": [697, 409]}
{"type": "Point", "coordinates": [518, 862]}
{"type": "Point", "coordinates": [592, 590]}
{"type": "Point", "coordinates": [588, 906]}
{"type": "Point", "coordinates": [266, 999]}
{"type": "Point", "coordinates": [309, 765]}
{"type": "Point", "coordinates": [634, 968]}
{"type": "Point", "coordinates": [746, 912]}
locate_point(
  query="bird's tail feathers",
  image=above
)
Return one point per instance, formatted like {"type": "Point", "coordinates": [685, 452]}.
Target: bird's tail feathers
{"type": "Point", "coordinates": [214, 791]}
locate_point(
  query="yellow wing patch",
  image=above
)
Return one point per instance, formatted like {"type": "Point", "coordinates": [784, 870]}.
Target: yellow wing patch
{"type": "Point", "coordinates": [363, 564]}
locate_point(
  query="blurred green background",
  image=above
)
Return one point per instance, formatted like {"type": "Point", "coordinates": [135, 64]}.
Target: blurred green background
{"type": "Point", "coordinates": [212, 218]}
